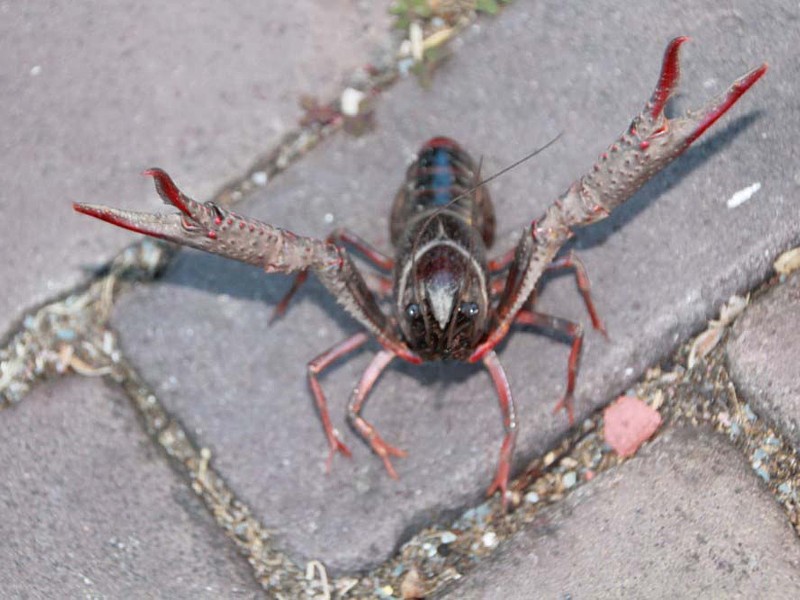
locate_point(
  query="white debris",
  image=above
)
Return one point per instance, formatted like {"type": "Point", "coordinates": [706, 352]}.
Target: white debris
{"type": "Point", "coordinates": [743, 195]}
{"type": "Point", "coordinates": [489, 539]}
{"type": "Point", "coordinates": [351, 101]}
{"type": "Point", "coordinates": [259, 178]}
{"type": "Point", "coordinates": [415, 37]}
{"type": "Point", "coordinates": [36, 70]}
{"type": "Point", "coordinates": [531, 497]}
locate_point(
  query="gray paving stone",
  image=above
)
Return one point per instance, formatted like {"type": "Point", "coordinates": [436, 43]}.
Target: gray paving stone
{"type": "Point", "coordinates": [763, 351]}
{"type": "Point", "coordinates": [660, 269]}
{"type": "Point", "coordinates": [91, 509]}
{"type": "Point", "coordinates": [685, 519]}
{"type": "Point", "coordinates": [92, 93]}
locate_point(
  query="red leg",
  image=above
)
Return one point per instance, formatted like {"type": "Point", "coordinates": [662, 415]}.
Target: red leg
{"type": "Point", "coordinates": [340, 237]}
{"type": "Point", "coordinates": [573, 330]}
{"type": "Point", "coordinates": [496, 265]}
{"type": "Point", "coordinates": [367, 431]}
{"type": "Point", "coordinates": [498, 375]}
{"type": "Point", "coordinates": [570, 261]}
{"type": "Point", "coordinates": [315, 367]}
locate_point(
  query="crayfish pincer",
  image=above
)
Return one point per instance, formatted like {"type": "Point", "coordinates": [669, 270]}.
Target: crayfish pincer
{"type": "Point", "coordinates": [449, 299]}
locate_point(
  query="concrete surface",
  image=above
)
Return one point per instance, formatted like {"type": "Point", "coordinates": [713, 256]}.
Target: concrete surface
{"type": "Point", "coordinates": [659, 268]}
{"type": "Point", "coordinates": [91, 509]}
{"type": "Point", "coordinates": [678, 521]}
{"type": "Point", "coordinates": [92, 93]}
{"type": "Point", "coordinates": [763, 354]}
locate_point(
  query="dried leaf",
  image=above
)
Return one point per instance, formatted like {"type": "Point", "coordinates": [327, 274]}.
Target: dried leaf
{"type": "Point", "coordinates": [704, 343]}
{"type": "Point", "coordinates": [788, 262]}
{"type": "Point", "coordinates": [732, 309]}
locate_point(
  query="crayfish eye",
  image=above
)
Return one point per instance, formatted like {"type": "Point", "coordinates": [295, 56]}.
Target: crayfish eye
{"type": "Point", "coordinates": [412, 311]}
{"type": "Point", "coordinates": [469, 309]}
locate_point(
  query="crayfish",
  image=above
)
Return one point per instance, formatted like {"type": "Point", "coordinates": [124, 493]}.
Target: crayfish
{"type": "Point", "coordinates": [449, 300]}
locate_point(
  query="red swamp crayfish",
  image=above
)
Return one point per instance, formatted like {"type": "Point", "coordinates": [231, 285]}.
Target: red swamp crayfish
{"type": "Point", "coordinates": [449, 300]}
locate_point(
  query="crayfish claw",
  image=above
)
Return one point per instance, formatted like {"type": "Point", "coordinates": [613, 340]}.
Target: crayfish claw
{"type": "Point", "coordinates": [668, 80]}
{"type": "Point", "coordinates": [169, 191]}
{"type": "Point", "coordinates": [717, 107]}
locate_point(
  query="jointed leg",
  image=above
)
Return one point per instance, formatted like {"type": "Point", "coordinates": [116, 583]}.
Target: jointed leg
{"type": "Point", "coordinates": [340, 237]}
{"type": "Point", "coordinates": [315, 367]}
{"type": "Point", "coordinates": [496, 265]}
{"type": "Point", "coordinates": [582, 279]}
{"type": "Point", "coordinates": [367, 431]}
{"type": "Point", "coordinates": [573, 330]}
{"type": "Point", "coordinates": [506, 401]}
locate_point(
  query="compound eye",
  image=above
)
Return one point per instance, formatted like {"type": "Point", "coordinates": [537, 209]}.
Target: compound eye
{"type": "Point", "coordinates": [412, 311]}
{"type": "Point", "coordinates": [469, 309]}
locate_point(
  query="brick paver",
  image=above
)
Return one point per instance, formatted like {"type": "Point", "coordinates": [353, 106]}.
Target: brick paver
{"type": "Point", "coordinates": [201, 336]}
{"type": "Point", "coordinates": [686, 519]}
{"type": "Point", "coordinates": [92, 93]}
{"type": "Point", "coordinates": [91, 509]}
{"type": "Point", "coordinates": [763, 353]}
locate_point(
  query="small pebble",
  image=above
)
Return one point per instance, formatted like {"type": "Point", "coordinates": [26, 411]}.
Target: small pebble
{"type": "Point", "coordinates": [448, 537]}
{"type": "Point", "coordinates": [66, 335]}
{"type": "Point", "coordinates": [531, 497]}
{"type": "Point", "coordinates": [350, 101]}
{"type": "Point", "coordinates": [761, 472]}
{"type": "Point", "coordinates": [404, 66]}
{"type": "Point", "coordinates": [570, 479]}
{"type": "Point", "coordinates": [748, 412]}
{"type": "Point", "coordinates": [758, 457]}
{"type": "Point", "coordinates": [489, 539]}
{"type": "Point", "coordinates": [259, 178]}
{"type": "Point", "coordinates": [474, 516]}
{"type": "Point", "coordinates": [568, 462]}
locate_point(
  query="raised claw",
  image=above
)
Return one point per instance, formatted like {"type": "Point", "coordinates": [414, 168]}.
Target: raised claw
{"type": "Point", "coordinates": [214, 229]}
{"type": "Point", "coordinates": [166, 227]}
{"type": "Point", "coordinates": [649, 144]}
{"type": "Point", "coordinates": [714, 109]}
{"type": "Point", "coordinates": [196, 221]}
{"type": "Point", "coordinates": [668, 80]}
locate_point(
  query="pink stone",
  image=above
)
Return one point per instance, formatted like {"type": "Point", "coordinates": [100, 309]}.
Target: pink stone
{"type": "Point", "coordinates": [629, 423]}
